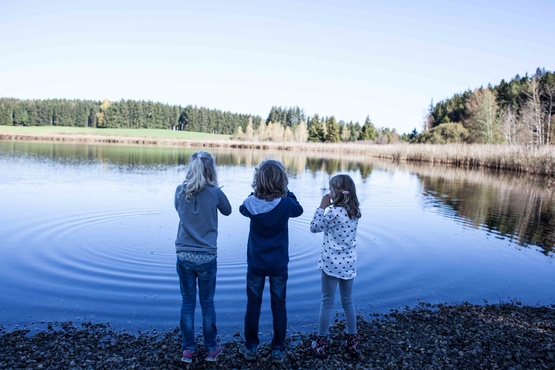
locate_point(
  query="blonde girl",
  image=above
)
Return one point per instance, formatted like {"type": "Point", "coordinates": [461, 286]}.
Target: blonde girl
{"type": "Point", "coordinates": [197, 201]}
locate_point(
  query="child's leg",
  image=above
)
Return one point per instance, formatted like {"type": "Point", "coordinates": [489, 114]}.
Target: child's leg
{"type": "Point", "coordinates": [329, 285]}
{"type": "Point", "coordinates": [278, 292]}
{"type": "Point", "coordinates": [206, 290]}
{"type": "Point", "coordinates": [346, 293]}
{"type": "Point", "coordinates": [188, 287]}
{"type": "Point", "coordinates": [255, 288]}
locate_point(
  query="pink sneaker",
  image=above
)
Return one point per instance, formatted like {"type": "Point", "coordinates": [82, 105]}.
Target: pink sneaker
{"type": "Point", "coordinates": [352, 345]}
{"type": "Point", "coordinates": [212, 356]}
{"type": "Point", "coordinates": [320, 346]}
{"type": "Point", "coordinates": [188, 355]}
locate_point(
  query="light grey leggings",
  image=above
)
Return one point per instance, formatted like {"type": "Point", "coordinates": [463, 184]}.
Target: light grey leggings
{"type": "Point", "coordinates": [329, 286]}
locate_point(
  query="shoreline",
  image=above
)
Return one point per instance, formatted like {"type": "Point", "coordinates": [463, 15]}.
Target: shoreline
{"type": "Point", "coordinates": [351, 148]}
{"type": "Point", "coordinates": [522, 160]}
{"type": "Point", "coordinates": [463, 336]}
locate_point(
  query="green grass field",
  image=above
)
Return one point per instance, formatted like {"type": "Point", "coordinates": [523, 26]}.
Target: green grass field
{"type": "Point", "coordinates": [148, 133]}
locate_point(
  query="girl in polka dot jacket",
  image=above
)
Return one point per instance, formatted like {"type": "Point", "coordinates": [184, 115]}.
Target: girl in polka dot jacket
{"type": "Point", "coordinates": [338, 258]}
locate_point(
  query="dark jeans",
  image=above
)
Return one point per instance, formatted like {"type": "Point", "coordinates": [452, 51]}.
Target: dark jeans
{"type": "Point", "coordinates": [205, 274]}
{"type": "Point", "coordinates": [255, 288]}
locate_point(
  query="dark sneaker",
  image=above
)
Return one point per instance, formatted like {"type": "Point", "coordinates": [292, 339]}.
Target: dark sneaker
{"type": "Point", "coordinates": [277, 356]}
{"type": "Point", "coordinates": [248, 354]}
{"type": "Point", "coordinates": [352, 345]}
{"type": "Point", "coordinates": [212, 356]}
{"type": "Point", "coordinates": [188, 355]}
{"type": "Point", "coordinates": [319, 347]}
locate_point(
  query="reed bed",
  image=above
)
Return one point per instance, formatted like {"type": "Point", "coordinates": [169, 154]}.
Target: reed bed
{"type": "Point", "coordinates": [530, 159]}
{"type": "Point", "coordinates": [538, 160]}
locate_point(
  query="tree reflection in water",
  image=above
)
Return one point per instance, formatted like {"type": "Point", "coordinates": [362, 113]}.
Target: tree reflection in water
{"type": "Point", "coordinates": [519, 207]}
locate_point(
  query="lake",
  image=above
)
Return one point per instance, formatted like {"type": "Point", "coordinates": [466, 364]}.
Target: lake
{"type": "Point", "coordinates": [87, 234]}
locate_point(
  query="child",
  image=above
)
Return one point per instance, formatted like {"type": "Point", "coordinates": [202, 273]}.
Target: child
{"type": "Point", "coordinates": [338, 258]}
{"type": "Point", "coordinates": [269, 208]}
{"type": "Point", "coordinates": [197, 202]}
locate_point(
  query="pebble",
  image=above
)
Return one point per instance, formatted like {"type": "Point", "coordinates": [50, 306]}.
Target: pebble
{"type": "Point", "coordinates": [465, 336]}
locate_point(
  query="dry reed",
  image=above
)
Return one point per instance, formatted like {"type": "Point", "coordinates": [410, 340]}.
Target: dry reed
{"type": "Point", "coordinates": [518, 158]}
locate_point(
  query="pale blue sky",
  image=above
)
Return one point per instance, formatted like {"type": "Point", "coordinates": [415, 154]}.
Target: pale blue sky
{"type": "Point", "coordinates": [350, 59]}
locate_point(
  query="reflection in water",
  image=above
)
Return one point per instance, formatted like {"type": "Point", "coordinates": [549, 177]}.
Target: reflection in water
{"type": "Point", "coordinates": [519, 208]}
{"type": "Point", "coordinates": [84, 221]}
{"type": "Point", "coordinates": [154, 156]}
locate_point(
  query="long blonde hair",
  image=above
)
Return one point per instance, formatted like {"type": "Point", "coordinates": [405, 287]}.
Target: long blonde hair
{"type": "Point", "coordinates": [201, 172]}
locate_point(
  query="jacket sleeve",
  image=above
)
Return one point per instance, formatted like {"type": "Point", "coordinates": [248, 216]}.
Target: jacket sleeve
{"type": "Point", "coordinates": [177, 191]}
{"type": "Point", "coordinates": [323, 221]}
{"type": "Point", "coordinates": [223, 204]}
{"type": "Point", "coordinates": [296, 209]}
{"type": "Point", "coordinates": [243, 209]}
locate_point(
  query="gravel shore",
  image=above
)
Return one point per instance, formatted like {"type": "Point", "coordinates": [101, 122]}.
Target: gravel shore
{"type": "Point", "coordinates": [465, 336]}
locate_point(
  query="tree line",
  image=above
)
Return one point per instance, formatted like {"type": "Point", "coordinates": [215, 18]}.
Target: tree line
{"type": "Point", "coordinates": [521, 111]}
{"type": "Point", "coordinates": [290, 124]}
{"type": "Point", "coordinates": [119, 114]}
{"type": "Point", "coordinates": [281, 124]}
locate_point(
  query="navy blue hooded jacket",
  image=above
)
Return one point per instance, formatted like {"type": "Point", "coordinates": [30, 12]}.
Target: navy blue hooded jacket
{"type": "Point", "coordinates": [268, 243]}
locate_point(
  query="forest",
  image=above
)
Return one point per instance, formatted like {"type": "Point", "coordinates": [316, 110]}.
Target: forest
{"type": "Point", "coordinates": [521, 111]}
{"type": "Point", "coordinates": [282, 123]}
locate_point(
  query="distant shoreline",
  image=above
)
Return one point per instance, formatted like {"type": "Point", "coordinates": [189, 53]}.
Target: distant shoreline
{"type": "Point", "coordinates": [536, 160]}
{"type": "Point", "coordinates": [212, 143]}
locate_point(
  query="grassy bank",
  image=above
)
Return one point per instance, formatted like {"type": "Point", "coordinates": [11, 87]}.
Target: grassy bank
{"type": "Point", "coordinates": [122, 132]}
{"type": "Point", "coordinates": [522, 159]}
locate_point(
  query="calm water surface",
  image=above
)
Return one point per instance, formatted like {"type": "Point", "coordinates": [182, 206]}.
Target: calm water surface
{"type": "Point", "coordinates": [87, 234]}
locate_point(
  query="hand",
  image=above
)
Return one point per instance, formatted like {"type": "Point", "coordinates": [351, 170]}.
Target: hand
{"type": "Point", "coordinates": [326, 201]}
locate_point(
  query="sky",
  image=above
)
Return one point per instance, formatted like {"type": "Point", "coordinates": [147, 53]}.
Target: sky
{"type": "Point", "coordinates": [388, 60]}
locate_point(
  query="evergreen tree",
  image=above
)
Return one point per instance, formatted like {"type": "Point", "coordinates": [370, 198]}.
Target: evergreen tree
{"type": "Point", "coordinates": [368, 131]}
{"type": "Point", "coordinates": [333, 134]}
{"type": "Point", "coordinates": [45, 113]}
{"type": "Point", "coordinates": [354, 129]}
{"type": "Point", "coordinates": [315, 131]}
{"type": "Point", "coordinates": [6, 112]}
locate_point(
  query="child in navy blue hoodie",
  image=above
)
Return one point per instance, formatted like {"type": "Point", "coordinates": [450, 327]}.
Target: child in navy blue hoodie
{"type": "Point", "coordinates": [269, 208]}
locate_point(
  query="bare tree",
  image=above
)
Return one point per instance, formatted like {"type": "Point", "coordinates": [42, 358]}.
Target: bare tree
{"type": "Point", "coordinates": [345, 133]}
{"type": "Point", "coordinates": [508, 120]}
{"type": "Point", "coordinates": [261, 131]}
{"type": "Point", "coordinates": [532, 112]}
{"type": "Point", "coordinates": [301, 132]}
{"type": "Point", "coordinates": [249, 131]}
{"type": "Point", "coordinates": [482, 121]}
{"type": "Point", "coordinates": [549, 91]}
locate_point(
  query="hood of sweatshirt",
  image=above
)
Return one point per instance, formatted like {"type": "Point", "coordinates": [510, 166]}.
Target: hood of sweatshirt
{"type": "Point", "coordinates": [257, 206]}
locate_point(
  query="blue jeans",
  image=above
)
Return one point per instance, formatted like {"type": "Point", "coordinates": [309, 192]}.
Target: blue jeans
{"type": "Point", "coordinates": [189, 273]}
{"type": "Point", "coordinates": [329, 286]}
{"type": "Point", "coordinates": [255, 288]}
